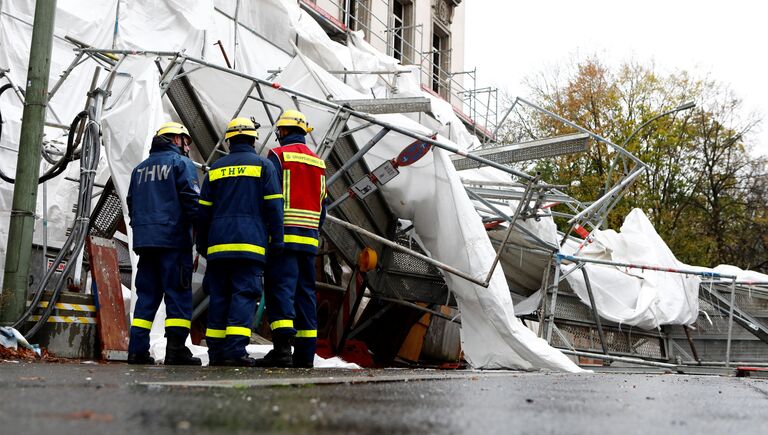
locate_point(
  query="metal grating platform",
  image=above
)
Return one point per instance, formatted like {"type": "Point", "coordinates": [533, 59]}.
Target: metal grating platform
{"type": "Point", "coordinates": [407, 277]}
{"type": "Point", "coordinates": [533, 150]}
{"type": "Point", "coordinates": [108, 213]}
{"type": "Point", "coordinates": [620, 342]}
{"type": "Point", "coordinates": [711, 330]}
{"type": "Point", "coordinates": [390, 105]}
{"type": "Point", "coordinates": [400, 275]}
{"type": "Point", "coordinates": [372, 213]}
{"type": "Point", "coordinates": [187, 104]}
{"type": "Point", "coordinates": [576, 322]}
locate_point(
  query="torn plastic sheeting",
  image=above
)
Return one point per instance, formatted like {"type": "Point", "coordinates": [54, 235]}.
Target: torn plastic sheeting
{"type": "Point", "coordinates": [15, 40]}
{"type": "Point", "coordinates": [523, 267]}
{"type": "Point", "coordinates": [642, 298]}
{"type": "Point", "coordinates": [174, 25]}
{"type": "Point", "coordinates": [271, 18]}
{"type": "Point", "coordinates": [140, 23]}
{"type": "Point", "coordinates": [645, 299]}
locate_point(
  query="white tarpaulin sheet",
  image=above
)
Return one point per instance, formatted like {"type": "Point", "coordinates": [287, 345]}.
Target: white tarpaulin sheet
{"type": "Point", "coordinates": [642, 298]}
{"type": "Point", "coordinates": [646, 299]}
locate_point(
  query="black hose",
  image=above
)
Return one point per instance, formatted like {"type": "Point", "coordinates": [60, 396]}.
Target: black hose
{"type": "Point", "coordinates": [88, 163]}
{"type": "Point", "coordinates": [76, 240]}
{"type": "Point", "coordinates": [60, 166]}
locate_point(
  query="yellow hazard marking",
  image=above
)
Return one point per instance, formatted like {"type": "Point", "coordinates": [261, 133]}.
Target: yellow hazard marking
{"type": "Point", "coordinates": [70, 307]}
{"type": "Point", "coordinates": [234, 171]}
{"type": "Point", "coordinates": [65, 319]}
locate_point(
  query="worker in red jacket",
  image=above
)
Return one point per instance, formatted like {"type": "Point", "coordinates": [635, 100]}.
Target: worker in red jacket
{"type": "Point", "coordinates": [290, 275]}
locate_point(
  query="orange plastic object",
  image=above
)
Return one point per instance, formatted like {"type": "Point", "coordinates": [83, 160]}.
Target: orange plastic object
{"type": "Point", "coordinates": [367, 260]}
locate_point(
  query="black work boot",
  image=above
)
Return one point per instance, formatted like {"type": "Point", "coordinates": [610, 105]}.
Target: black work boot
{"type": "Point", "coordinates": [304, 352]}
{"type": "Point", "coordinates": [140, 358]}
{"type": "Point", "coordinates": [280, 355]}
{"type": "Point", "coordinates": [176, 353]}
{"type": "Point", "coordinates": [243, 361]}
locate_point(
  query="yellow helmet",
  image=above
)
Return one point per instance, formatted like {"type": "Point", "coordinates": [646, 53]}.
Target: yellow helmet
{"type": "Point", "coordinates": [241, 126]}
{"type": "Point", "coordinates": [294, 118]}
{"type": "Point", "coordinates": [172, 128]}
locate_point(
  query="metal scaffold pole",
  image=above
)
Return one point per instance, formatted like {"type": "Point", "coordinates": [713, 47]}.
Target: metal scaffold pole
{"type": "Point", "coordinates": [19, 248]}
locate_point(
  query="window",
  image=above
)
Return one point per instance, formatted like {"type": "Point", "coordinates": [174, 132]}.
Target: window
{"type": "Point", "coordinates": [402, 30]}
{"type": "Point", "coordinates": [359, 16]}
{"type": "Point", "coordinates": [441, 60]}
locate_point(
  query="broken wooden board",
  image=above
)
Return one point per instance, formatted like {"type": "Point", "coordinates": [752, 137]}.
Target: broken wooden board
{"type": "Point", "coordinates": [111, 319]}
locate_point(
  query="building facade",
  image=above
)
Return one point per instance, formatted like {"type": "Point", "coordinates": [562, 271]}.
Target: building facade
{"type": "Point", "coordinates": [427, 33]}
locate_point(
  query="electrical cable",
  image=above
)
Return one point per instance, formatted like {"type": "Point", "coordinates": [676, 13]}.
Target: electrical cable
{"type": "Point", "coordinates": [69, 154]}
{"type": "Point", "coordinates": [75, 242]}
{"type": "Point", "coordinates": [61, 165]}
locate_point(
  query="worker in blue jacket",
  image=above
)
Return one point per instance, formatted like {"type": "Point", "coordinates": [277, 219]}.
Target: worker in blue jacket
{"type": "Point", "coordinates": [241, 219]}
{"type": "Point", "coordinates": [162, 206]}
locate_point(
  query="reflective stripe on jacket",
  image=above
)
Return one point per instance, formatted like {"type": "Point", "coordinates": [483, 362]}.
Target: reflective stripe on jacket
{"type": "Point", "coordinates": [241, 207]}
{"type": "Point", "coordinates": [303, 179]}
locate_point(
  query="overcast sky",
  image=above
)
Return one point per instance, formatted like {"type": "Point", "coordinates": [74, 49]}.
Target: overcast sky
{"type": "Point", "coordinates": [726, 40]}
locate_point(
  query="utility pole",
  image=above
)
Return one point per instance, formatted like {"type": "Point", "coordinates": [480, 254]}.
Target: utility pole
{"type": "Point", "coordinates": [14, 296]}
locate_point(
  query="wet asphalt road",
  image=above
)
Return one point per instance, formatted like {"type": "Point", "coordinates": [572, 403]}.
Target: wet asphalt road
{"type": "Point", "coordinates": [121, 399]}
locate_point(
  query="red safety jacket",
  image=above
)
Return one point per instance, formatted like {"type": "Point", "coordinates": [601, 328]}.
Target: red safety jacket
{"type": "Point", "coordinates": [303, 180]}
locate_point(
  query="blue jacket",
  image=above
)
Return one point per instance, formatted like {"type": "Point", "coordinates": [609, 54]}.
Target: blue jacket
{"type": "Point", "coordinates": [241, 213]}
{"type": "Point", "coordinates": [290, 230]}
{"type": "Point", "coordinates": [163, 198]}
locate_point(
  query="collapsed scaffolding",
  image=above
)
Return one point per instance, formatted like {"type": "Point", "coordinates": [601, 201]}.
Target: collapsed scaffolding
{"type": "Point", "coordinates": [531, 195]}
{"type": "Point", "coordinates": [361, 216]}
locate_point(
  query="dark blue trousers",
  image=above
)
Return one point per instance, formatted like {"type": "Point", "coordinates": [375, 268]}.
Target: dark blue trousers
{"type": "Point", "coordinates": [289, 279]}
{"type": "Point", "coordinates": [162, 272]}
{"type": "Point", "coordinates": [235, 288]}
